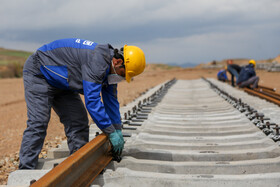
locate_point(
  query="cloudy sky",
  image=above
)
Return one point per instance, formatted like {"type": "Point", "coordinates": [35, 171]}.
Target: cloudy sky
{"type": "Point", "coordinates": [168, 31]}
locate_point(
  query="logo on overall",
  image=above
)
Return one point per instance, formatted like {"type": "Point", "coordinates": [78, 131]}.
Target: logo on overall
{"type": "Point", "coordinates": [86, 42]}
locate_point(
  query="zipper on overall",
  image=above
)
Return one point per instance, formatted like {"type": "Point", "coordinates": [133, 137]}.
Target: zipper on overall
{"type": "Point", "coordinates": [56, 73]}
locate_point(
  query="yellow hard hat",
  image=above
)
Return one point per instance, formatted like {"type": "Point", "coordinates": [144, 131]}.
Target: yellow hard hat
{"type": "Point", "coordinates": [252, 62]}
{"type": "Point", "coordinates": [134, 61]}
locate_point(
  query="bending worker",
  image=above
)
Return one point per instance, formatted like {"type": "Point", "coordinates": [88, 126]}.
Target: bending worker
{"type": "Point", "coordinates": [234, 70]}
{"type": "Point", "coordinates": [247, 76]}
{"type": "Point", "coordinates": [53, 78]}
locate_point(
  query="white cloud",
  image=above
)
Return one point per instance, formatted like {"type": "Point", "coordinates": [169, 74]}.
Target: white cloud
{"type": "Point", "coordinates": [210, 46]}
{"type": "Point", "coordinates": [190, 27]}
{"type": "Point", "coordinates": [31, 14]}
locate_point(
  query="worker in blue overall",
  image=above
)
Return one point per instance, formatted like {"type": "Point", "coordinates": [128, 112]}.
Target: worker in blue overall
{"type": "Point", "coordinates": [222, 75]}
{"type": "Point", "coordinates": [247, 76]}
{"type": "Point", "coordinates": [57, 73]}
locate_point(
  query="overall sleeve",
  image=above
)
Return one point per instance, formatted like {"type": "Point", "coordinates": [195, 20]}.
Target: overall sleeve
{"type": "Point", "coordinates": [111, 103]}
{"type": "Point", "coordinates": [95, 107]}
{"type": "Point", "coordinates": [94, 71]}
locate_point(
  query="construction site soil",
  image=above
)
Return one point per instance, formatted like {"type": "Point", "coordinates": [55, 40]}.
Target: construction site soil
{"type": "Point", "coordinates": [13, 108]}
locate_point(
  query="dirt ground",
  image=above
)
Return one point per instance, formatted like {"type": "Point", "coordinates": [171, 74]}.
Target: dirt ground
{"type": "Point", "coordinates": [13, 108]}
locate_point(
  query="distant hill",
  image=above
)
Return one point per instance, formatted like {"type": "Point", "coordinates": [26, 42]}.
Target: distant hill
{"type": "Point", "coordinates": [7, 56]}
{"type": "Point", "coordinates": [159, 67]}
{"type": "Point", "coordinates": [11, 62]}
{"type": "Point", "coordinates": [183, 65]}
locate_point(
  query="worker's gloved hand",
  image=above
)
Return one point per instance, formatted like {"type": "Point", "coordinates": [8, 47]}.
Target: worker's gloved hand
{"type": "Point", "coordinates": [120, 134]}
{"type": "Point", "coordinates": [116, 142]}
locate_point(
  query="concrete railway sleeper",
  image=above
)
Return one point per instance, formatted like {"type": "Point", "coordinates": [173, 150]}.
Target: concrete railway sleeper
{"type": "Point", "coordinates": [262, 122]}
{"type": "Point", "coordinates": [193, 133]}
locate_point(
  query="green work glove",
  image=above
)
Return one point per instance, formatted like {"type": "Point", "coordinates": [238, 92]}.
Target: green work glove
{"type": "Point", "coordinates": [121, 136]}
{"type": "Point", "coordinates": [116, 142]}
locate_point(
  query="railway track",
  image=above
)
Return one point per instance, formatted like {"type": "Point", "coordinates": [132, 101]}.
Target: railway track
{"type": "Point", "coordinates": [183, 133]}
{"type": "Point", "coordinates": [268, 94]}
{"type": "Point", "coordinates": [264, 92]}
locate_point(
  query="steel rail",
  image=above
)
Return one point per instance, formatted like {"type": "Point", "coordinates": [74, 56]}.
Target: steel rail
{"type": "Point", "coordinates": [271, 94]}
{"type": "Point", "coordinates": [264, 92]}
{"type": "Point", "coordinates": [263, 95]}
{"type": "Point", "coordinates": [80, 168]}
{"type": "Point", "coordinates": [274, 94]}
{"type": "Point", "coordinates": [266, 88]}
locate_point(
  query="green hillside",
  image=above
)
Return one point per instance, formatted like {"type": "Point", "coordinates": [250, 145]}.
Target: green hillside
{"type": "Point", "coordinates": [11, 62]}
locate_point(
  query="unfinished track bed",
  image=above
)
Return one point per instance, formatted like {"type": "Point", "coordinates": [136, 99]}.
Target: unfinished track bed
{"type": "Point", "coordinates": [189, 135]}
{"type": "Point", "coordinates": [193, 137]}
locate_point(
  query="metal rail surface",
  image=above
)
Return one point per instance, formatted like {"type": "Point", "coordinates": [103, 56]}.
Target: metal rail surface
{"type": "Point", "coordinates": [272, 97]}
{"type": "Point", "coordinates": [267, 88]}
{"type": "Point", "coordinates": [82, 167]}
{"type": "Point", "coordinates": [264, 92]}
{"type": "Point", "coordinates": [271, 93]}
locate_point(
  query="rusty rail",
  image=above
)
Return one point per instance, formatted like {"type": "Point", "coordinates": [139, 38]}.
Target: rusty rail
{"type": "Point", "coordinates": [269, 93]}
{"type": "Point", "coordinates": [263, 95]}
{"type": "Point", "coordinates": [264, 92]}
{"type": "Point", "coordinates": [82, 167]}
{"type": "Point", "coordinates": [266, 88]}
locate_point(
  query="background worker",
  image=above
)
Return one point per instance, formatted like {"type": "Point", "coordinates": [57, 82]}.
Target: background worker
{"type": "Point", "coordinates": [234, 70]}
{"type": "Point", "coordinates": [247, 76]}
{"type": "Point", "coordinates": [53, 78]}
{"type": "Point", "coordinates": [222, 75]}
